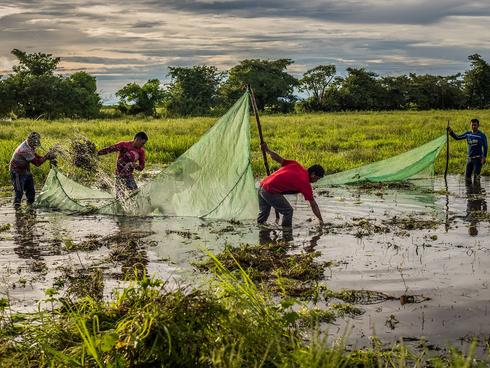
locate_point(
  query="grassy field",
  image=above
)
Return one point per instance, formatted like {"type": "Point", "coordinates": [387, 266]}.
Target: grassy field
{"type": "Point", "coordinates": [338, 141]}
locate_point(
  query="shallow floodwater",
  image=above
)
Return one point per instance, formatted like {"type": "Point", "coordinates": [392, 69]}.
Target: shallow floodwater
{"type": "Point", "coordinates": [447, 261]}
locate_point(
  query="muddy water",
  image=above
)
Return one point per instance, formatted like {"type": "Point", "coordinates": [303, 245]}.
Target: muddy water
{"type": "Point", "coordinates": [444, 257]}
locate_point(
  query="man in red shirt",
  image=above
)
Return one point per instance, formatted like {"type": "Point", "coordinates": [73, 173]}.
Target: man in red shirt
{"type": "Point", "coordinates": [19, 167]}
{"type": "Point", "coordinates": [290, 178]}
{"type": "Point", "coordinates": [131, 156]}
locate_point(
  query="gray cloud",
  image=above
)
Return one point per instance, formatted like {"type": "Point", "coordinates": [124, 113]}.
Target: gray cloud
{"type": "Point", "coordinates": [123, 41]}
{"type": "Point", "coordinates": [350, 11]}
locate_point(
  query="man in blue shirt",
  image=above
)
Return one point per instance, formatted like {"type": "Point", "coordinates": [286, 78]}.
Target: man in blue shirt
{"type": "Point", "coordinates": [477, 148]}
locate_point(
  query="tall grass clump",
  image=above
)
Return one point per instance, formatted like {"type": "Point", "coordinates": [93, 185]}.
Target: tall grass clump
{"type": "Point", "coordinates": [232, 323]}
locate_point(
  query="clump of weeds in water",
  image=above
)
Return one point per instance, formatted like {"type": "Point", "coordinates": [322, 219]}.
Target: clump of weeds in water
{"type": "Point", "coordinates": [274, 266]}
{"type": "Point", "coordinates": [80, 283]}
{"type": "Point", "coordinates": [132, 257]}
{"type": "Point", "coordinates": [412, 223]}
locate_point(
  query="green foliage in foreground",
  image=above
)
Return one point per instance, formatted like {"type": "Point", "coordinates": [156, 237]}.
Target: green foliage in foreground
{"type": "Point", "coordinates": [232, 323]}
{"type": "Point", "coordinates": [338, 141]}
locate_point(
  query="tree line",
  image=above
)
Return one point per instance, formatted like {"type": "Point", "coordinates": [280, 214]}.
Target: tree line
{"type": "Point", "coordinates": [33, 90]}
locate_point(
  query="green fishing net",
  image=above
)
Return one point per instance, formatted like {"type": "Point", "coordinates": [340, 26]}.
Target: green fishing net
{"type": "Point", "coordinates": [214, 179]}
{"type": "Point", "coordinates": [416, 163]}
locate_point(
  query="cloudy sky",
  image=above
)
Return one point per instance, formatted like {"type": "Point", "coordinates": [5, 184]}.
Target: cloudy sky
{"type": "Point", "coordinates": [123, 41]}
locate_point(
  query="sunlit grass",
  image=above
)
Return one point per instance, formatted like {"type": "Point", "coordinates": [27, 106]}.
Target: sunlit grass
{"type": "Point", "coordinates": [338, 141]}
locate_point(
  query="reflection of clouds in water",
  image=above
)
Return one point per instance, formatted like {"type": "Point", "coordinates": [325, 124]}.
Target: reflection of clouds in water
{"type": "Point", "coordinates": [475, 205]}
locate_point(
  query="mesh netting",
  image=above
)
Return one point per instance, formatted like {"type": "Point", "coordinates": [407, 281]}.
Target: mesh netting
{"type": "Point", "coordinates": [213, 178]}
{"type": "Point", "coordinates": [416, 163]}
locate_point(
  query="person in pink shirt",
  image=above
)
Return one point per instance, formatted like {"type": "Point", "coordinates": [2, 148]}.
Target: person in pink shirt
{"type": "Point", "coordinates": [131, 156]}
{"type": "Point", "coordinates": [19, 167]}
{"type": "Point", "coordinates": [289, 179]}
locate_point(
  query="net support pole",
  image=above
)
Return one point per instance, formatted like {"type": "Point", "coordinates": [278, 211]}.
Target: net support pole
{"type": "Point", "coordinates": [445, 178]}
{"type": "Point", "coordinates": [261, 136]}
{"type": "Point", "coordinates": [447, 151]}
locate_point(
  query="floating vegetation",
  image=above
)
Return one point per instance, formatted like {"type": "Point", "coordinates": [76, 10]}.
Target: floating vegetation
{"type": "Point", "coordinates": [367, 227]}
{"type": "Point", "coordinates": [4, 227]}
{"type": "Point", "coordinates": [412, 223]}
{"type": "Point", "coordinates": [231, 229]}
{"type": "Point", "coordinates": [391, 322]}
{"type": "Point", "coordinates": [273, 265]}
{"type": "Point", "coordinates": [371, 186]}
{"type": "Point", "coordinates": [132, 257]}
{"type": "Point", "coordinates": [366, 297]}
{"type": "Point", "coordinates": [80, 283]}
{"type": "Point", "coordinates": [93, 241]}
{"type": "Point", "coordinates": [39, 266]}
{"type": "Point", "coordinates": [358, 296]}
{"type": "Point", "coordinates": [312, 316]}
{"type": "Point", "coordinates": [411, 299]}
{"type": "Point", "coordinates": [184, 234]}
{"type": "Point", "coordinates": [478, 215]}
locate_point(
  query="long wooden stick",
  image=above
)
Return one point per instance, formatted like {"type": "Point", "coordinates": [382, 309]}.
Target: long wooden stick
{"type": "Point", "coordinates": [447, 151]}
{"type": "Point", "coordinates": [261, 136]}
{"type": "Point", "coordinates": [259, 128]}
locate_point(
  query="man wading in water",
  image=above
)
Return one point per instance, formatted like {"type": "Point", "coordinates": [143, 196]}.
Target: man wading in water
{"type": "Point", "coordinates": [289, 179]}
{"type": "Point", "coordinates": [477, 148]}
{"type": "Point", "coordinates": [19, 167]}
{"type": "Point", "coordinates": [131, 156]}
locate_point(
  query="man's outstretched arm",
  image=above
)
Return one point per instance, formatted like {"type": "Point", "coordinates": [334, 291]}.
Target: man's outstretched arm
{"type": "Point", "coordinates": [455, 136]}
{"type": "Point", "coordinates": [271, 153]}
{"type": "Point", "coordinates": [114, 148]}
{"type": "Point", "coordinates": [316, 211]}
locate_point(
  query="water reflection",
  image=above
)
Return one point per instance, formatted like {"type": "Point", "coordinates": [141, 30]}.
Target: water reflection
{"type": "Point", "coordinates": [128, 248]}
{"type": "Point", "coordinates": [267, 236]}
{"type": "Point", "coordinates": [476, 204]}
{"type": "Point", "coordinates": [25, 237]}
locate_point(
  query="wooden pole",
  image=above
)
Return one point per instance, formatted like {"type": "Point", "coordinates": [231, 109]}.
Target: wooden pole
{"type": "Point", "coordinates": [261, 136]}
{"type": "Point", "coordinates": [259, 128]}
{"type": "Point", "coordinates": [447, 151]}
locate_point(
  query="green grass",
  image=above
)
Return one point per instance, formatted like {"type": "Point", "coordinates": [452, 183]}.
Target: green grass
{"type": "Point", "coordinates": [232, 323]}
{"type": "Point", "coordinates": [338, 141]}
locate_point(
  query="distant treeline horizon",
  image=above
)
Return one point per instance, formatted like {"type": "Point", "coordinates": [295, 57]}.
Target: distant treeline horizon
{"type": "Point", "coordinates": [34, 90]}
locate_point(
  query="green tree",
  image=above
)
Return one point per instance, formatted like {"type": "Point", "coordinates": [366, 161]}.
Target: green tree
{"type": "Point", "coordinates": [477, 82]}
{"type": "Point", "coordinates": [435, 92]}
{"type": "Point", "coordinates": [316, 83]}
{"type": "Point", "coordinates": [395, 92]}
{"type": "Point", "coordinates": [35, 64]}
{"type": "Point", "coordinates": [193, 91]}
{"type": "Point", "coordinates": [360, 90]}
{"type": "Point", "coordinates": [7, 100]}
{"type": "Point", "coordinates": [272, 85]}
{"type": "Point", "coordinates": [34, 91]}
{"type": "Point", "coordinates": [82, 100]}
{"type": "Point", "coordinates": [135, 99]}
